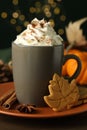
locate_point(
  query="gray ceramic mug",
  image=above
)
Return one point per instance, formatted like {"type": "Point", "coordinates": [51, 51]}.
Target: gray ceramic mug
{"type": "Point", "coordinates": [33, 67]}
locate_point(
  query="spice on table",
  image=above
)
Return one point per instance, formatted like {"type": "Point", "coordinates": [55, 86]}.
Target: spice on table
{"type": "Point", "coordinates": [26, 108]}
{"type": "Point", "coordinates": [9, 102]}
{"type": "Point", "coordinates": [6, 96]}
{"type": "Point", "coordinates": [9, 98]}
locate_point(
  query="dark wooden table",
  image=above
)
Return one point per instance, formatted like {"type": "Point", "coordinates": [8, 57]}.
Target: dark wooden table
{"type": "Point", "coordinates": [77, 122]}
{"type": "Point", "coordinates": [71, 122]}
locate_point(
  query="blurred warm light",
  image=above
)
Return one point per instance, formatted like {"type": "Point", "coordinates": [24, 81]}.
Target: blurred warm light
{"type": "Point", "coordinates": [4, 15]}
{"type": "Point", "coordinates": [56, 10]}
{"type": "Point", "coordinates": [62, 17]}
{"type": "Point", "coordinates": [32, 10]}
{"type": "Point", "coordinates": [52, 22]}
{"type": "Point", "coordinates": [15, 2]}
{"type": "Point", "coordinates": [54, 4]}
{"type": "Point", "coordinates": [46, 7]}
{"type": "Point", "coordinates": [51, 10]}
{"type": "Point", "coordinates": [13, 21]}
{"type": "Point", "coordinates": [18, 28]}
{"type": "Point", "coordinates": [48, 14]}
{"type": "Point", "coordinates": [60, 31]}
{"type": "Point", "coordinates": [22, 17]}
{"type": "Point", "coordinates": [26, 23]}
{"type": "Point", "coordinates": [38, 4]}
{"type": "Point", "coordinates": [50, 1]}
{"type": "Point", "coordinates": [15, 15]}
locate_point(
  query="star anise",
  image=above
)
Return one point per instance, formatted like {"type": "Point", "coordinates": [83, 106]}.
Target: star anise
{"type": "Point", "coordinates": [25, 108]}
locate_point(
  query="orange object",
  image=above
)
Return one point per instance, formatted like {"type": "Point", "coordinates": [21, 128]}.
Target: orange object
{"type": "Point", "coordinates": [71, 65]}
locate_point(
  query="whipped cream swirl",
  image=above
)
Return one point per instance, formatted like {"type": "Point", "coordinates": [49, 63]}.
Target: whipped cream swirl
{"type": "Point", "coordinates": [39, 33]}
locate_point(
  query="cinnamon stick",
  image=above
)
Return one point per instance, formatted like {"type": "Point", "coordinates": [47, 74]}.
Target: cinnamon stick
{"type": "Point", "coordinates": [9, 102]}
{"type": "Point", "coordinates": [6, 96]}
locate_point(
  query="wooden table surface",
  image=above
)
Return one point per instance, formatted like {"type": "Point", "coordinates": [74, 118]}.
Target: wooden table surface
{"type": "Point", "coordinates": [77, 122]}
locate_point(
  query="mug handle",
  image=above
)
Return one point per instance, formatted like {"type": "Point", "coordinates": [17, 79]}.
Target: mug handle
{"type": "Point", "coordinates": [76, 73]}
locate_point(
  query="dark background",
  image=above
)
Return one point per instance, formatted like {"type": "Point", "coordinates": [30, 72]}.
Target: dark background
{"type": "Point", "coordinates": [75, 9]}
{"type": "Point", "coordinates": [72, 9]}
